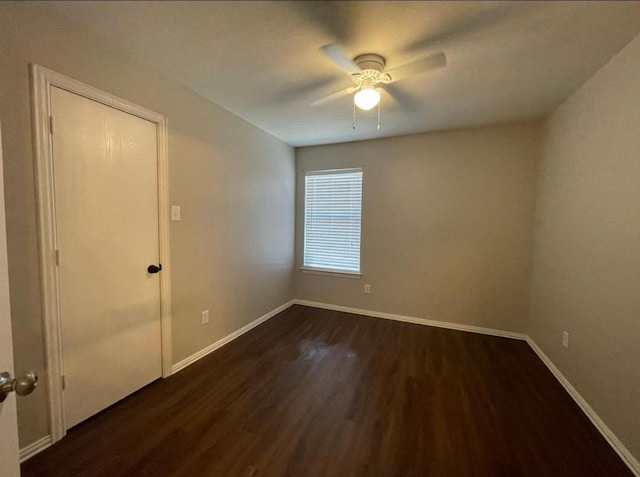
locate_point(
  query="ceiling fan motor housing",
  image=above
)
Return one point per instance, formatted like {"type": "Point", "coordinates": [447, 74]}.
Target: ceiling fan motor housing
{"type": "Point", "coordinates": [370, 61]}
{"type": "Point", "coordinates": [372, 67]}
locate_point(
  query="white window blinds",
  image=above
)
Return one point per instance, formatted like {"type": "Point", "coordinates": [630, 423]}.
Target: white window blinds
{"type": "Point", "coordinates": [332, 213]}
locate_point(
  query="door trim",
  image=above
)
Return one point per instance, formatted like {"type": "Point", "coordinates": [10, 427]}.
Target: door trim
{"type": "Point", "coordinates": [41, 81]}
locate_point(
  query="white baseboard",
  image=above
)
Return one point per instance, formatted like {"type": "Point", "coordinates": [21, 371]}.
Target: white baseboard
{"type": "Point", "coordinates": [411, 319]}
{"type": "Point", "coordinates": [214, 346]}
{"type": "Point", "coordinates": [607, 433]}
{"type": "Point", "coordinates": [35, 448]}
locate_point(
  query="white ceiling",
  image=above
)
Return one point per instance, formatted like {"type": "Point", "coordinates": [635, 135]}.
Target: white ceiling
{"type": "Point", "coordinates": [262, 60]}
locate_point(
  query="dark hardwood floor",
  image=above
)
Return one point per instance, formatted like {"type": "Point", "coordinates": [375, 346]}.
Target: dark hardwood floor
{"type": "Point", "coordinates": [320, 393]}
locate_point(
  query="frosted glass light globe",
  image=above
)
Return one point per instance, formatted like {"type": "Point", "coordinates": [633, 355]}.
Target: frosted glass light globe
{"type": "Point", "coordinates": [366, 98]}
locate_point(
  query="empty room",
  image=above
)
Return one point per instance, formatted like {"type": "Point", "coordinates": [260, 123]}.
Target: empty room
{"type": "Point", "coordinates": [319, 238]}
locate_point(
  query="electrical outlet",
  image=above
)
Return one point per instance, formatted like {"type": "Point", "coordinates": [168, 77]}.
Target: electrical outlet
{"type": "Point", "coordinates": [205, 317]}
{"type": "Point", "coordinates": [175, 213]}
{"type": "Point", "coordinates": [367, 289]}
{"type": "Point", "coordinates": [565, 339]}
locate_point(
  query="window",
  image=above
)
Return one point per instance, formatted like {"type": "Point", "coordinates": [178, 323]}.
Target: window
{"type": "Point", "coordinates": [332, 212]}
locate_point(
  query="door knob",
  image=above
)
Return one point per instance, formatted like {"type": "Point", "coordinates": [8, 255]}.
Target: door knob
{"type": "Point", "coordinates": [22, 385]}
{"type": "Point", "coordinates": [154, 268]}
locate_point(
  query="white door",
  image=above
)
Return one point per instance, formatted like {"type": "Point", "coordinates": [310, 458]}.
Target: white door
{"type": "Point", "coordinates": [8, 422]}
{"type": "Point", "coordinates": [105, 165]}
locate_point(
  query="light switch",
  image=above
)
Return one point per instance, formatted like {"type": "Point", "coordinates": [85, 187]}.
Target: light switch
{"type": "Point", "coordinates": [175, 213]}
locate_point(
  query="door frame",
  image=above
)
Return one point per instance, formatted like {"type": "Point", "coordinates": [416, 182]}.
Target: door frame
{"type": "Point", "coordinates": [42, 79]}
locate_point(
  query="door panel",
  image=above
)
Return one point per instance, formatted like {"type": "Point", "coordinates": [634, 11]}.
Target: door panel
{"type": "Point", "coordinates": [106, 194]}
{"type": "Point", "coordinates": [8, 421]}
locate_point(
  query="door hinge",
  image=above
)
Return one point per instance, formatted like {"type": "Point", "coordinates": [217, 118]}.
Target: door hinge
{"type": "Point", "coordinates": [64, 382]}
{"type": "Point", "coordinates": [51, 124]}
{"type": "Point", "coordinates": [58, 258]}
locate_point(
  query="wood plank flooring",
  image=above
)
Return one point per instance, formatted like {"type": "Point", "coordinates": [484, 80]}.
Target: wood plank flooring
{"type": "Point", "coordinates": [321, 393]}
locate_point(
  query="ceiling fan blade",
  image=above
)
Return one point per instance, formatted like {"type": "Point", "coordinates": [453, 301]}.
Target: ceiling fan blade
{"type": "Point", "coordinates": [493, 15]}
{"type": "Point", "coordinates": [336, 54]}
{"type": "Point", "coordinates": [422, 65]}
{"type": "Point", "coordinates": [400, 100]}
{"type": "Point", "coordinates": [331, 97]}
{"type": "Point", "coordinates": [336, 20]}
{"type": "Point", "coordinates": [303, 90]}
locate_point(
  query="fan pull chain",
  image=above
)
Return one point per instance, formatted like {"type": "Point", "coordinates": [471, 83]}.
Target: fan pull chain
{"type": "Point", "coordinates": [354, 115]}
{"type": "Point", "coordinates": [378, 128]}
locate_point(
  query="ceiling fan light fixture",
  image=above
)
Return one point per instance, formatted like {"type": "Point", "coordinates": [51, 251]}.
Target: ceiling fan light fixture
{"type": "Point", "coordinates": [366, 98]}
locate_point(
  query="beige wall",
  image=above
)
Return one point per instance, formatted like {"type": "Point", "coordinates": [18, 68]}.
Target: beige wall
{"type": "Point", "coordinates": [586, 274]}
{"type": "Point", "coordinates": [233, 251]}
{"type": "Point", "coordinates": [446, 228]}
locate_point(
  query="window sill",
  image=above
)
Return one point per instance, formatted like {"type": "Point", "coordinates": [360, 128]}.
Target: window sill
{"type": "Point", "coordinates": [331, 273]}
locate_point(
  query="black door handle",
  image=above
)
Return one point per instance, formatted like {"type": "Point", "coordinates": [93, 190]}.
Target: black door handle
{"type": "Point", "coordinates": [154, 268]}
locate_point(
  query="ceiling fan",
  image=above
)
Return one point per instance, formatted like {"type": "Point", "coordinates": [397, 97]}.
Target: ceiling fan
{"type": "Point", "coordinates": [342, 20]}
{"type": "Point", "coordinates": [368, 75]}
